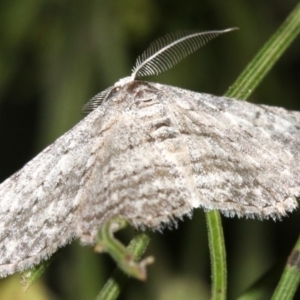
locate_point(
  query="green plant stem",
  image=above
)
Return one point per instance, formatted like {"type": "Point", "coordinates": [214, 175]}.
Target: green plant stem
{"type": "Point", "coordinates": [241, 89]}
{"type": "Point", "coordinates": [29, 277]}
{"type": "Point", "coordinates": [114, 285]}
{"type": "Point", "coordinates": [266, 57]}
{"type": "Point", "coordinates": [217, 254]}
{"type": "Point", "coordinates": [290, 278]}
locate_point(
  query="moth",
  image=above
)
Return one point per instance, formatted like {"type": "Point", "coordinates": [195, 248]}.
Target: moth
{"type": "Point", "coordinates": [151, 153]}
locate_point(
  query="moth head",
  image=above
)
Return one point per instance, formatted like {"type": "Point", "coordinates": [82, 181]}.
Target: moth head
{"type": "Point", "coordinates": [123, 81]}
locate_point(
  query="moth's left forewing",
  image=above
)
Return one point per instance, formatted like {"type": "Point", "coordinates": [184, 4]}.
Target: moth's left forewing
{"type": "Point", "coordinates": [39, 203]}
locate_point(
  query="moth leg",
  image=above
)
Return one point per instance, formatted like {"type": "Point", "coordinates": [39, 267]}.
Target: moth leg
{"type": "Point", "coordinates": [106, 242]}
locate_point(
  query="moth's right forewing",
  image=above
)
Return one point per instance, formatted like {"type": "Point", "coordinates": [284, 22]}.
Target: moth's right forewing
{"type": "Point", "coordinates": [244, 156]}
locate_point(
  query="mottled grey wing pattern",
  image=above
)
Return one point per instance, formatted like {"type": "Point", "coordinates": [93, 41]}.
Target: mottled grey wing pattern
{"type": "Point", "coordinates": [142, 173]}
{"type": "Point", "coordinates": [39, 203]}
{"type": "Point", "coordinates": [150, 153]}
{"type": "Point", "coordinates": [245, 158]}
{"type": "Point", "coordinates": [176, 150]}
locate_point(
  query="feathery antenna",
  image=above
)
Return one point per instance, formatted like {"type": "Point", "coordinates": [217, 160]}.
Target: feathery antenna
{"type": "Point", "coordinates": [167, 51]}
{"type": "Point", "coordinates": [161, 55]}
{"type": "Point", "coordinates": [94, 102]}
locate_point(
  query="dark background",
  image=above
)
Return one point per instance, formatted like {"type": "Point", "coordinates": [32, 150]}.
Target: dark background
{"type": "Point", "coordinates": [55, 55]}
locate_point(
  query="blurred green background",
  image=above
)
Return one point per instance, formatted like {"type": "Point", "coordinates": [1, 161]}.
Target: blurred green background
{"type": "Point", "coordinates": [55, 55]}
